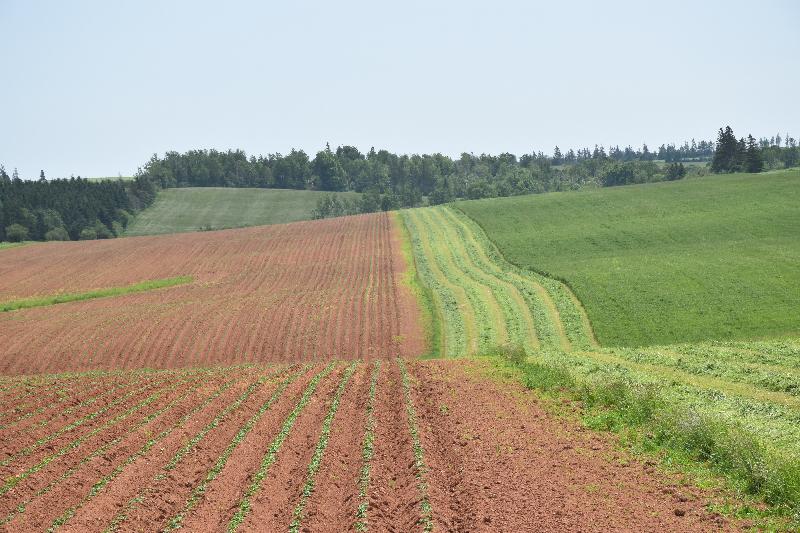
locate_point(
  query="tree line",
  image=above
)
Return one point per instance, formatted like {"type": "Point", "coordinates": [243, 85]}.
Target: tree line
{"type": "Point", "coordinates": [385, 180]}
{"type": "Point", "coordinates": [68, 209]}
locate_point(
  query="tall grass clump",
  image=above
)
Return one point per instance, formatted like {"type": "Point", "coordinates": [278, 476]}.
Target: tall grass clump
{"type": "Point", "coordinates": [659, 422]}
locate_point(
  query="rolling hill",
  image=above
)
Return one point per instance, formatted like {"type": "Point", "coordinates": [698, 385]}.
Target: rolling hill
{"type": "Point", "coordinates": [195, 208]}
{"type": "Point", "coordinates": [710, 258]}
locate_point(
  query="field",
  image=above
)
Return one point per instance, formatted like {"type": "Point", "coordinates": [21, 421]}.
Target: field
{"type": "Point", "coordinates": [482, 302]}
{"type": "Point", "coordinates": [196, 208]}
{"type": "Point", "coordinates": [380, 446]}
{"type": "Point", "coordinates": [702, 259]}
{"type": "Point", "coordinates": [732, 406]}
{"type": "Point", "coordinates": [311, 290]}
{"type": "Point", "coordinates": [270, 378]}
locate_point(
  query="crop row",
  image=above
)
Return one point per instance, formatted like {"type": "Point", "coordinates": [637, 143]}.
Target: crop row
{"type": "Point", "coordinates": [14, 480]}
{"type": "Point", "coordinates": [314, 290]}
{"type": "Point", "coordinates": [367, 452]}
{"type": "Point", "coordinates": [319, 451]}
{"type": "Point", "coordinates": [163, 378]}
{"type": "Point", "coordinates": [186, 449]}
{"type": "Point", "coordinates": [420, 468]}
{"type": "Point", "coordinates": [98, 487]}
{"type": "Point", "coordinates": [197, 493]}
{"type": "Point", "coordinates": [104, 449]}
{"type": "Point", "coordinates": [245, 503]}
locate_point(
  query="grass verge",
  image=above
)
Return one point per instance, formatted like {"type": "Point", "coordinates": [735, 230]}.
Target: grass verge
{"type": "Point", "coordinates": [650, 421]}
{"type": "Point", "coordinates": [27, 303]}
{"type": "Point", "coordinates": [430, 316]}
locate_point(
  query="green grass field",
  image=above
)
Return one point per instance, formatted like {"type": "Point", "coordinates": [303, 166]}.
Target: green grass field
{"type": "Point", "coordinates": [728, 409]}
{"type": "Point", "coordinates": [195, 208]}
{"type": "Point", "coordinates": [700, 259]}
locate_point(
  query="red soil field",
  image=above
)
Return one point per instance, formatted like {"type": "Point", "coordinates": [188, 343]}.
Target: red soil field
{"type": "Point", "coordinates": [306, 291]}
{"type": "Point", "coordinates": [191, 447]}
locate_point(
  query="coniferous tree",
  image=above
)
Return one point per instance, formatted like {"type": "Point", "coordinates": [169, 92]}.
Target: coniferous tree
{"type": "Point", "coordinates": [754, 162]}
{"type": "Point", "coordinates": [557, 156]}
{"type": "Point", "coordinates": [725, 154]}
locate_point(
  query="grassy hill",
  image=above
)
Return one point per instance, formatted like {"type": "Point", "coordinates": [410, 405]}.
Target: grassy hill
{"type": "Point", "coordinates": [194, 208]}
{"type": "Point", "coordinates": [710, 258]}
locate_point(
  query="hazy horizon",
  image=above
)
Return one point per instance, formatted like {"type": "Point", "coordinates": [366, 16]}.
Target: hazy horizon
{"type": "Point", "coordinates": [94, 88]}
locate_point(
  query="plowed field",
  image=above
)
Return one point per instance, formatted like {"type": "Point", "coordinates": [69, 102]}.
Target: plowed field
{"type": "Point", "coordinates": [304, 291]}
{"type": "Point", "coordinates": [384, 445]}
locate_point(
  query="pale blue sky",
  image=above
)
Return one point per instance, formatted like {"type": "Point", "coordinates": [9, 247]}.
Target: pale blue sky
{"type": "Point", "coordinates": [95, 87]}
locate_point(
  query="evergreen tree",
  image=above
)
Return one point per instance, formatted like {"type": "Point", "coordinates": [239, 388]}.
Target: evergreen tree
{"type": "Point", "coordinates": [725, 154]}
{"type": "Point", "coordinates": [754, 161]}
{"type": "Point", "coordinates": [557, 156]}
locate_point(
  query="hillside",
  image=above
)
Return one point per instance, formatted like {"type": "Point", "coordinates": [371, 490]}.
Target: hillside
{"type": "Point", "coordinates": [195, 208]}
{"type": "Point", "coordinates": [710, 258]}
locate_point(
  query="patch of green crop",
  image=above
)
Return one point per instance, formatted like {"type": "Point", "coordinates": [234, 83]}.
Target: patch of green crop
{"type": "Point", "coordinates": [27, 303]}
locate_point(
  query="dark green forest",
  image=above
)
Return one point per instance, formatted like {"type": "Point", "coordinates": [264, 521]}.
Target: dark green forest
{"type": "Point", "coordinates": [68, 209]}
{"type": "Point", "coordinates": [81, 209]}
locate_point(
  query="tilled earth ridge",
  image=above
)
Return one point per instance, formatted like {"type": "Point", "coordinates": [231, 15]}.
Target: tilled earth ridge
{"type": "Point", "coordinates": [491, 459]}
{"type": "Point", "coordinates": [317, 290]}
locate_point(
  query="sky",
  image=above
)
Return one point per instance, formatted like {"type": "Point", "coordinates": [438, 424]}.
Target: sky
{"type": "Point", "coordinates": [95, 88]}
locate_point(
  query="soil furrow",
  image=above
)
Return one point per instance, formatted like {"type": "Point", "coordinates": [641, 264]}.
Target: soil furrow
{"type": "Point", "coordinates": [393, 496]}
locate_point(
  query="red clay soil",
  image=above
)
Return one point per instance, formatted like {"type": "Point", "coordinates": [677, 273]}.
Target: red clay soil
{"type": "Point", "coordinates": [334, 500]}
{"type": "Point", "coordinates": [318, 290]}
{"type": "Point", "coordinates": [498, 462]}
{"type": "Point", "coordinates": [495, 461]}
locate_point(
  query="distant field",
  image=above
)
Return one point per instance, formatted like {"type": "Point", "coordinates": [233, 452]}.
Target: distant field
{"type": "Point", "coordinates": [193, 208]}
{"type": "Point", "coordinates": [709, 258]}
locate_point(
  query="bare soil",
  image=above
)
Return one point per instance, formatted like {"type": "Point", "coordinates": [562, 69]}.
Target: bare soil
{"type": "Point", "coordinates": [493, 460]}
{"type": "Point", "coordinates": [328, 289]}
